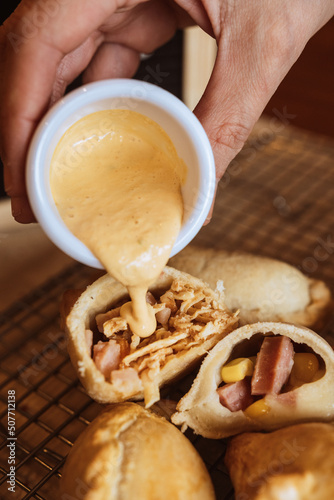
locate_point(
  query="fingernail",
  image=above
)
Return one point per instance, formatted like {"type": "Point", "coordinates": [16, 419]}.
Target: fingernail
{"type": "Point", "coordinates": [21, 210]}
{"type": "Point", "coordinates": [16, 207]}
{"type": "Point", "coordinates": [7, 176]}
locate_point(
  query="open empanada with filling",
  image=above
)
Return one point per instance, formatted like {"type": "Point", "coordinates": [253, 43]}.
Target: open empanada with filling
{"type": "Point", "coordinates": [296, 463]}
{"type": "Point", "coordinates": [116, 365]}
{"type": "Point", "coordinates": [262, 289]}
{"type": "Point", "coordinates": [260, 376]}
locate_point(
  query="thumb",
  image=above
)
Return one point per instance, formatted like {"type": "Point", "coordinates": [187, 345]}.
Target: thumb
{"type": "Point", "coordinates": [228, 110]}
{"type": "Point", "coordinates": [226, 116]}
{"type": "Point", "coordinates": [255, 51]}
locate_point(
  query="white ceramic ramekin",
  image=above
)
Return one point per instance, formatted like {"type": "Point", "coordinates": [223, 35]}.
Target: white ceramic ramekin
{"type": "Point", "coordinates": [170, 113]}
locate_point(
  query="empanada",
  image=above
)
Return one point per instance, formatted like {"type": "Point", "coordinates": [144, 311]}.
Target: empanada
{"type": "Point", "coordinates": [296, 463]}
{"type": "Point", "coordinates": [115, 365]}
{"type": "Point", "coordinates": [260, 376]}
{"type": "Point", "coordinates": [262, 289]}
{"type": "Point", "coordinates": [128, 452]}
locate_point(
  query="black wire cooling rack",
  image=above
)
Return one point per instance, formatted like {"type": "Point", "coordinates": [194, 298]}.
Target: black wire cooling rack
{"type": "Point", "coordinates": [275, 200]}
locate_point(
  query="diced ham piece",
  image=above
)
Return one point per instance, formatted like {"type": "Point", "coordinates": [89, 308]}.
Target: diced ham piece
{"type": "Point", "coordinates": [126, 381]}
{"type": "Point", "coordinates": [150, 299]}
{"type": "Point", "coordinates": [125, 375]}
{"type": "Point", "coordinates": [287, 398]}
{"type": "Point", "coordinates": [236, 396]}
{"type": "Point", "coordinates": [163, 316]}
{"type": "Point", "coordinates": [107, 357]}
{"type": "Point", "coordinates": [273, 365]}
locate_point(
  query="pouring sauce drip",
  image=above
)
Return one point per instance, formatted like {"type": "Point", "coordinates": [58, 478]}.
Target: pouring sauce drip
{"type": "Point", "coordinates": [116, 180]}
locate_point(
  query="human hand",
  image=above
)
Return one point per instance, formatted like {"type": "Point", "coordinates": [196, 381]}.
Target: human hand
{"type": "Point", "coordinates": [46, 44]}
{"type": "Point", "coordinates": [258, 41]}
{"type": "Point", "coordinates": [257, 44]}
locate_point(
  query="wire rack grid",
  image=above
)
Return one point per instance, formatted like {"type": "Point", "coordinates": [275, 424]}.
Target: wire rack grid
{"type": "Point", "coordinates": [275, 200]}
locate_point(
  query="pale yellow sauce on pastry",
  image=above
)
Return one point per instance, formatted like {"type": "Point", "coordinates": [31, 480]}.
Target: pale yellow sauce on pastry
{"type": "Point", "coordinates": [116, 180]}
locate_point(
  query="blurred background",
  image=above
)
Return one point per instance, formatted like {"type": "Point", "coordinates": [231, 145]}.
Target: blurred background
{"type": "Point", "coordinates": [306, 92]}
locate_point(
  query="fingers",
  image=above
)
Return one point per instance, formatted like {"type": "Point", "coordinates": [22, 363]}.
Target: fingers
{"type": "Point", "coordinates": [73, 64]}
{"type": "Point", "coordinates": [147, 27]}
{"type": "Point", "coordinates": [209, 216]}
{"type": "Point", "coordinates": [21, 210]}
{"type": "Point", "coordinates": [33, 46]}
{"type": "Point", "coordinates": [46, 44]}
{"type": "Point", "coordinates": [255, 50]}
{"type": "Point", "coordinates": [227, 117]}
{"type": "Point", "coordinates": [112, 60]}
{"type": "Point", "coordinates": [26, 214]}
{"type": "Point", "coordinates": [258, 42]}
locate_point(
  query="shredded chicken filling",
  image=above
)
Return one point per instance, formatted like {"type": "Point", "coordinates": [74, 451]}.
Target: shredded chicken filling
{"type": "Point", "coordinates": [186, 317]}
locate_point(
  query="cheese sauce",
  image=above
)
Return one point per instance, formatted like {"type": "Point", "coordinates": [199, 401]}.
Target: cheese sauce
{"type": "Point", "coordinates": [116, 180]}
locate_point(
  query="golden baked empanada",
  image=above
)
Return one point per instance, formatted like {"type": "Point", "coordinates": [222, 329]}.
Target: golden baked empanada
{"type": "Point", "coordinates": [260, 376]}
{"type": "Point", "coordinates": [128, 452]}
{"type": "Point", "coordinates": [294, 463]}
{"type": "Point", "coordinates": [262, 289]}
{"type": "Point", "coordinates": [115, 365]}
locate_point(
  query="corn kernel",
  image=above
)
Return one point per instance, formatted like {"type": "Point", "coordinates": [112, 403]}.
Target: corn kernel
{"type": "Point", "coordinates": [257, 409]}
{"type": "Point", "coordinates": [305, 367]}
{"type": "Point", "coordinates": [237, 370]}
